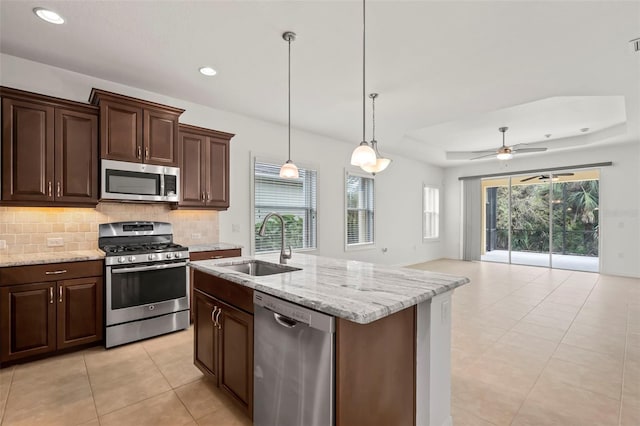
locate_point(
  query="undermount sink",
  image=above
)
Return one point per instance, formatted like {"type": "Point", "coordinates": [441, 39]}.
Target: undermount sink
{"type": "Point", "coordinates": [260, 268]}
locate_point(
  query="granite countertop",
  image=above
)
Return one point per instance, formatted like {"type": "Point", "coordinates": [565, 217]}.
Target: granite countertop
{"type": "Point", "coordinates": [7, 260]}
{"type": "Point", "coordinates": [357, 291]}
{"type": "Point", "coordinates": [212, 246]}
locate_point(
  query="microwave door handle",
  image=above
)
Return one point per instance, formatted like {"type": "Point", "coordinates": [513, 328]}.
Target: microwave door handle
{"type": "Point", "coordinates": [148, 268]}
{"type": "Point", "coordinates": [162, 194]}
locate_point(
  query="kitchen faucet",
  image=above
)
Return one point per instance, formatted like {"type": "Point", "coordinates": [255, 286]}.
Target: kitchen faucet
{"type": "Point", "coordinates": [283, 254]}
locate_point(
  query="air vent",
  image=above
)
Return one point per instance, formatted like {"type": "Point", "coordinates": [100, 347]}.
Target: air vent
{"type": "Point", "coordinates": [635, 44]}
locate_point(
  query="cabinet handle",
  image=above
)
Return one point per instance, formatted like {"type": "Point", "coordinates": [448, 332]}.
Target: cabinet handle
{"type": "Point", "coordinates": [58, 189]}
{"type": "Point", "coordinates": [50, 189]}
{"type": "Point", "coordinates": [215, 308]}
{"type": "Point", "coordinates": [50, 294]}
{"type": "Point", "coordinates": [58, 272]}
{"type": "Point", "coordinates": [216, 257]}
{"type": "Point", "coordinates": [139, 153]}
{"type": "Point", "coordinates": [208, 196]}
{"type": "Point", "coordinates": [60, 294]}
{"type": "Point", "coordinates": [202, 197]}
{"type": "Point", "coordinates": [146, 152]}
{"type": "Point", "coordinates": [217, 319]}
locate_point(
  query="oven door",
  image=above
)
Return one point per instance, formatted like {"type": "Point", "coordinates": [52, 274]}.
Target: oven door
{"type": "Point", "coordinates": [143, 291]}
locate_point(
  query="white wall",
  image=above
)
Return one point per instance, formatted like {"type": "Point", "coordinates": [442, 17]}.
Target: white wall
{"type": "Point", "coordinates": [398, 189]}
{"type": "Point", "coordinates": [619, 200]}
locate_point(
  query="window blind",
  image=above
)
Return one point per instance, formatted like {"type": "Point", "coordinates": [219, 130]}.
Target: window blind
{"type": "Point", "coordinates": [360, 209]}
{"type": "Point", "coordinates": [293, 199]}
{"type": "Point", "coordinates": [431, 212]}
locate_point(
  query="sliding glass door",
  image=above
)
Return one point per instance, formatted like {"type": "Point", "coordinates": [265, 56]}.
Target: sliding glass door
{"type": "Point", "coordinates": [544, 219]}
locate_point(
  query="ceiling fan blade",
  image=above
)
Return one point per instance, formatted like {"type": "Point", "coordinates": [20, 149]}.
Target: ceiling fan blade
{"type": "Point", "coordinates": [530, 150]}
{"type": "Point", "coordinates": [529, 178]}
{"type": "Point", "coordinates": [486, 151]}
{"type": "Point", "coordinates": [492, 154]}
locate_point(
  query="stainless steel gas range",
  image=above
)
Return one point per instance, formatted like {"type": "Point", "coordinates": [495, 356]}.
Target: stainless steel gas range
{"type": "Point", "coordinates": [147, 284]}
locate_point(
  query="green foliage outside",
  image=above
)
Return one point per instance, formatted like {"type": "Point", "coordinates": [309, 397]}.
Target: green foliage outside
{"type": "Point", "coordinates": [575, 218]}
{"type": "Point", "coordinates": [293, 225]}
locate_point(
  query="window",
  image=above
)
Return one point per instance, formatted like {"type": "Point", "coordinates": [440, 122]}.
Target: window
{"type": "Point", "coordinates": [430, 212]}
{"type": "Point", "coordinates": [360, 210]}
{"type": "Point", "coordinates": [294, 199]}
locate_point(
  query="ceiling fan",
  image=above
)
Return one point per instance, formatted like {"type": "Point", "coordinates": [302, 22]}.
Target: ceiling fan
{"type": "Point", "coordinates": [505, 152]}
{"type": "Point", "coordinates": [545, 177]}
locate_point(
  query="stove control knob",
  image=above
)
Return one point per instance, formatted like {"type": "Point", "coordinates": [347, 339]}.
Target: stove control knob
{"type": "Point", "coordinates": [152, 257]}
{"type": "Point", "coordinates": [169, 255]}
{"type": "Point", "coordinates": [121, 259]}
{"type": "Point", "coordinates": [132, 258]}
{"type": "Point", "coordinates": [177, 255]}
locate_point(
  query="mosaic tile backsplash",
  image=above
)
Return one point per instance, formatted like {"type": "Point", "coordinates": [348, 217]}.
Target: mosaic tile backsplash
{"type": "Point", "coordinates": [26, 229]}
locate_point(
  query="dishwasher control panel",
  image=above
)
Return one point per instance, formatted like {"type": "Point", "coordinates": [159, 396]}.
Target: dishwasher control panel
{"type": "Point", "coordinates": [295, 312]}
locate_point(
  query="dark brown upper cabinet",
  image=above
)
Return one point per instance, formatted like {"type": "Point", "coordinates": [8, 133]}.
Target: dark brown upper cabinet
{"type": "Point", "coordinates": [204, 168]}
{"type": "Point", "coordinates": [136, 130]}
{"type": "Point", "coordinates": [49, 150]}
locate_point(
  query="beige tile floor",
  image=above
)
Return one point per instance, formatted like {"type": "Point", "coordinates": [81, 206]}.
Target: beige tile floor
{"type": "Point", "coordinates": [531, 346]}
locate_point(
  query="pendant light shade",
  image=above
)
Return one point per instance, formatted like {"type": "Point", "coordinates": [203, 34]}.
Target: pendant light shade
{"type": "Point", "coordinates": [288, 169]}
{"type": "Point", "coordinates": [363, 155]}
{"type": "Point", "coordinates": [381, 162]}
{"type": "Point", "coordinates": [505, 152]}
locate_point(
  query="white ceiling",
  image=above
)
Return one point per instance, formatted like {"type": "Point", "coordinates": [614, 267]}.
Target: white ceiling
{"type": "Point", "coordinates": [448, 73]}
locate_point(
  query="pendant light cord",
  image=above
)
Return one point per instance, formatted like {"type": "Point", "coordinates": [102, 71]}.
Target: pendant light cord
{"type": "Point", "coordinates": [373, 106]}
{"type": "Point", "coordinates": [364, 28]}
{"type": "Point", "coordinates": [289, 101]}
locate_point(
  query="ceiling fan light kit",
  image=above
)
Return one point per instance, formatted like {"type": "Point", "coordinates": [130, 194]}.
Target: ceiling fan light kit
{"type": "Point", "coordinates": [288, 169]}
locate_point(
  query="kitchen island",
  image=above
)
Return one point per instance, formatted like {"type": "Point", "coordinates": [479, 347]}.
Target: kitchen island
{"type": "Point", "coordinates": [393, 331]}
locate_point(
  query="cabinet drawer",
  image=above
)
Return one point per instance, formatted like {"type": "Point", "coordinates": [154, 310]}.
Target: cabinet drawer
{"type": "Point", "coordinates": [215, 254]}
{"type": "Point", "coordinates": [50, 272]}
{"type": "Point", "coordinates": [227, 291]}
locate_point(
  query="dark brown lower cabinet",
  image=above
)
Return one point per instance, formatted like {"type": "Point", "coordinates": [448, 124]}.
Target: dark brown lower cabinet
{"type": "Point", "coordinates": [223, 345]}
{"type": "Point", "coordinates": [39, 318]}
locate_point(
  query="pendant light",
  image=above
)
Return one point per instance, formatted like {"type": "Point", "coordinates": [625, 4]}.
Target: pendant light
{"type": "Point", "coordinates": [363, 155]}
{"type": "Point", "coordinates": [288, 169]}
{"type": "Point", "coordinates": [381, 162]}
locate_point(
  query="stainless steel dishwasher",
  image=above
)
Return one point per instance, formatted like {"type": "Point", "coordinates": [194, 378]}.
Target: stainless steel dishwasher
{"type": "Point", "coordinates": [294, 364]}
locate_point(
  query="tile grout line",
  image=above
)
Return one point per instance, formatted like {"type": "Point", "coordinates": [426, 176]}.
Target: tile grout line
{"type": "Point", "coordinates": [624, 366]}
{"type": "Point", "coordinates": [168, 382]}
{"type": "Point", "coordinates": [557, 345]}
{"type": "Point", "coordinates": [95, 406]}
{"type": "Point", "coordinates": [4, 412]}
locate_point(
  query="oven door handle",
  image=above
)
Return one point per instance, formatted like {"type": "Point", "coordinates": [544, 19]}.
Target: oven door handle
{"type": "Point", "coordinates": [148, 268]}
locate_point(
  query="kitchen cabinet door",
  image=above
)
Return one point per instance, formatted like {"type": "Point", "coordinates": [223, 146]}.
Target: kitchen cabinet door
{"type": "Point", "coordinates": [192, 169]}
{"type": "Point", "coordinates": [217, 173]}
{"type": "Point", "coordinates": [205, 339]}
{"type": "Point", "coordinates": [161, 138]}
{"type": "Point", "coordinates": [76, 157]}
{"type": "Point", "coordinates": [27, 320]}
{"type": "Point", "coordinates": [79, 306]}
{"type": "Point", "coordinates": [121, 131]}
{"type": "Point", "coordinates": [27, 151]}
{"type": "Point", "coordinates": [204, 168]}
{"type": "Point", "coordinates": [236, 355]}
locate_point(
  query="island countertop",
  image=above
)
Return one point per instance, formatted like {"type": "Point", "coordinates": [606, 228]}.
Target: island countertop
{"type": "Point", "coordinates": [360, 292]}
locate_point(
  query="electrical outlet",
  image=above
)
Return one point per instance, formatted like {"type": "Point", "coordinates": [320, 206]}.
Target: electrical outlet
{"type": "Point", "coordinates": [3, 244]}
{"type": "Point", "coordinates": [55, 242]}
{"type": "Point", "coordinates": [444, 312]}
{"type": "Point", "coordinates": [196, 235]}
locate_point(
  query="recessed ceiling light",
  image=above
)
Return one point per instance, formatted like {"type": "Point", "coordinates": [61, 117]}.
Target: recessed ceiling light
{"type": "Point", "coordinates": [208, 71]}
{"type": "Point", "coordinates": [48, 15]}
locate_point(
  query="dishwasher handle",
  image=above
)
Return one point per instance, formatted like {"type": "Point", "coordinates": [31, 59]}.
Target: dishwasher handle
{"type": "Point", "coordinates": [285, 321]}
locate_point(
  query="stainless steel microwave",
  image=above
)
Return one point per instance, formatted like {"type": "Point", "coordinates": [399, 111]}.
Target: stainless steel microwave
{"type": "Point", "coordinates": [122, 180]}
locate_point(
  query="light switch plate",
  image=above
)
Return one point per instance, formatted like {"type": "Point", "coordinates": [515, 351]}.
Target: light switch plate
{"type": "Point", "coordinates": [55, 242]}
{"type": "Point", "coordinates": [196, 235]}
